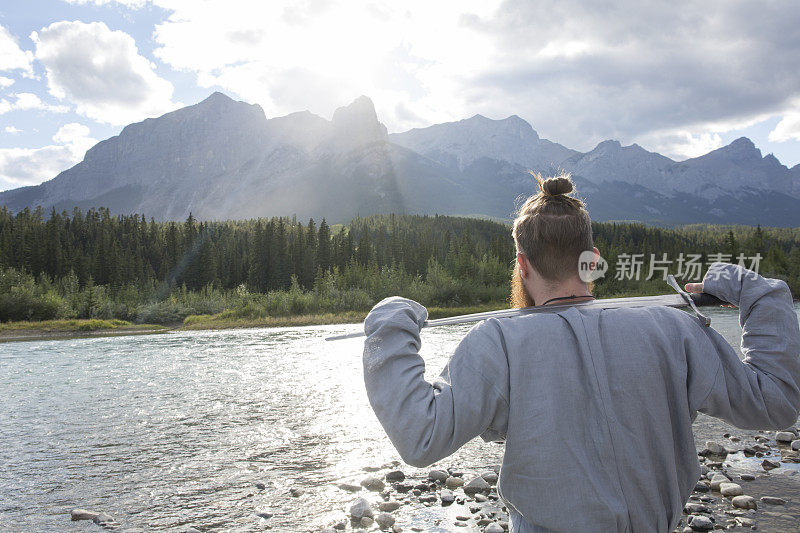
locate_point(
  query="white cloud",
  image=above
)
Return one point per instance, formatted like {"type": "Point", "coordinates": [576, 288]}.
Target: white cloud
{"type": "Point", "coordinates": [5, 82]}
{"type": "Point", "coordinates": [289, 55]}
{"type": "Point", "coordinates": [27, 101]}
{"type": "Point", "coordinates": [787, 129]}
{"type": "Point", "coordinates": [101, 72]}
{"type": "Point", "coordinates": [680, 145]}
{"type": "Point", "coordinates": [12, 57]}
{"type": "Point", "coordinates": [12, 130]}
{"type": "Point", "coordinates": [133, 4]}
{"type": "Point", "coordinates": [579, 71]}
{"type": "Point", "coordinates": [31, 166]}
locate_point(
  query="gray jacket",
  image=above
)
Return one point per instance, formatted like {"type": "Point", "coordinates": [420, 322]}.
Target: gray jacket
{"type": "Point", "coordinates": [596, 406]}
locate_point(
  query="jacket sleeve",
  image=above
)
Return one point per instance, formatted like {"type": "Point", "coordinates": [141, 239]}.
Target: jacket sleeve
{"type": "Point", "coordinates": [428, 421]}
{"type": "Point", "coordinates": [763, 390]}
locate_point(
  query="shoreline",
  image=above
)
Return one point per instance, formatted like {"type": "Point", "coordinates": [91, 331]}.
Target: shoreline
{"type": "Point", "coordinates": [83, 328]}
{"type": "Point", "coordinates": [74, 329]}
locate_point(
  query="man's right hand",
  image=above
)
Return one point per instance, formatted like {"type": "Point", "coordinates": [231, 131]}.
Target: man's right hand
{"type": "Point", "coordinates": [693, 287]}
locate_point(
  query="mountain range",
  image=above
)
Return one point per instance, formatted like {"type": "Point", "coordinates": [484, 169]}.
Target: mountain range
{"type": "Point", "coordinates": [223, 159]}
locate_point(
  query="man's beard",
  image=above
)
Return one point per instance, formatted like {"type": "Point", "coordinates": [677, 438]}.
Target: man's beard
{"type": "Point", "coordinates": [519, 294]}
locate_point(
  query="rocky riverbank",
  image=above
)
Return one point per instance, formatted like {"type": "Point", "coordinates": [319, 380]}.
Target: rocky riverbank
{"type": "Point", "coordinates": [749, 481]}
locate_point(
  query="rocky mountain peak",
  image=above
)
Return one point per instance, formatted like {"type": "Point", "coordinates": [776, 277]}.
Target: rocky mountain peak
{"type": "Point", "coordinates": [741, 148]}
{"type": "Point", "coordinates": [359, 122]}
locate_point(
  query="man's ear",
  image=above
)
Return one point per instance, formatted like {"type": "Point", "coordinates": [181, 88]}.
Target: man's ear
{"type": "Point", "coordinates": [522, 261]}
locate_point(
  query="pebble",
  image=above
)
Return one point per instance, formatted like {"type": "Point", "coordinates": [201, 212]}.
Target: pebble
{"type": "Point", "coordinates": [454, 482]}
{"type": "Point", "coordinates": [785, 436]}
{"type": "Point", "coordinates": [796, 444]}
{"type": "Point", "coordinates": [372, 483]}
{"type": "Point", "coordinates": [701, 487]}
{"type": "Point", "coordinates": [340, 526]}
{"type": "Point", "coordinates": [772, 500]}
{"type": "Point", "coordinates": [692, 508]}
{"type": "Point", "coordinates": [718, 480]}
{"type": "Point", "coordinates": [395, 475]}
{"type": "Point", "coordinates": [428, 498]}
{"type": "Point", "coordinates": [766, 464]}
{"type": "Point", "coordinates": [388, 507]}
{"type": "Point", "coordinates": [360, 509]}
{"type": "Point", "coordinates": [715, 448]}
{"type": "Point", "coordinates": [447, 496]}
{"type": "Point", "coordinates": [404, 487]}
{"type": "Point", "coordinates": [384, 520]}
{"type": "Point", "coordinates": [260, 486]}
{"type": "Point", "coordinates": [731, 489]}
{"type": "Point", "coordinates": [103, 518]}
{"type": "Point", "coordinates": [747, 477]}
{"type": "Point", "coordinates": [438, 475]}
{"type": "Point", "coordinates": [476, 485]}
{"type": "Point", "coordinates": [348, 487]}
{"type": "Point", "coordinates": [494, 528]}
{"type": "Point", "coordinates": [265, 515]}
{"type": "Point", "coordinates": [480, 497]}
{"type": "Point", "coordinates": [366, 521]}
{"type": "Point", "coordinates": [701, 523]}
{"type": "Point", "coordinates": [490, 477]}
{"type": "Point", "coordinates": [744, 502]}
{"type": "Point", "coordinates": [83, 514]}
{"type": "Point", "coordinates": [296, 493]}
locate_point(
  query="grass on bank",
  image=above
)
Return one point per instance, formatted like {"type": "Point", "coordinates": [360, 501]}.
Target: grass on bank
{"type": "Point", "coordinates": [75, 325]}
{"type": "Point", "coordinates": [229, 319]}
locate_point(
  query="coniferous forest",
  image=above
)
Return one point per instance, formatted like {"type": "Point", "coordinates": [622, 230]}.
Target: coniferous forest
{"type": "Point", "coordinates": [98, 265]}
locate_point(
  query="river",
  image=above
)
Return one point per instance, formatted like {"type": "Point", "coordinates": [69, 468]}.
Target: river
{"type": "Point", "coordinates": [176, 430]}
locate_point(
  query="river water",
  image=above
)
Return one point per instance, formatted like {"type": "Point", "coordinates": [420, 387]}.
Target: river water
{"type": "Point", "coordinates": [175, 430]}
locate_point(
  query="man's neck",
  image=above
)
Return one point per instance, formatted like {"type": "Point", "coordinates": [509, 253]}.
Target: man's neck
{"type": "Point", "coordinates": [570, 287]}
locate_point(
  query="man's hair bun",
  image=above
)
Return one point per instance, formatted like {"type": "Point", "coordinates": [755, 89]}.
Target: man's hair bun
{"type": "Point", "coordinates": [556, 185]}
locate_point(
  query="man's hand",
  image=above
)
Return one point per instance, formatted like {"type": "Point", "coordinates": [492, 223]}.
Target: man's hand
{"type": "Point", "coordinates": [693, 287]}
{"type": "Point", "coordinates": [698, 287]}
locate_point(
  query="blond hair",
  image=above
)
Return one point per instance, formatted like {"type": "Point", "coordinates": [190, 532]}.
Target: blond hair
{"type": "Point", "coordinates": [553, 228]}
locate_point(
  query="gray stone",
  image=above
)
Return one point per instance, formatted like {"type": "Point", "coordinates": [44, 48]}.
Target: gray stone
{"type": "Point", "coordinates": [388, 507]}
{"type": "Point", "coordinates": [264, 514]}
{"type": "Point", "coordinates": [693, 508]}
{"type": "Point", "coordinates": [438, 475]}
{"type": "Point", "coordinates": [366, 521]}
{"type": "Point", "coordinates": [348, 487]}
{"type": "Point", "coordinates": [718, 480]}
{"type": "Point", "coordinates": [260, 486]}
{"type": "Point", "coordinates": [796, 444]}
{"type": "Point", "coordinates": [83, 514]}
{"type": "Point", "coordinates": [384, 520]}
{"type": "Point", "coordinates": [772, 500]}
{"type": "Point", "coordinates": [395, 475]}
{"type": "Point", "coordinates": [475, 485]}
{"type": "Point", "coordinates": [447, 496]}
{"type": "Point", "coordinates": [372, 483]}
{"type": "Point", "coordinates": [360, 509]}
{"type": "Point", "coordinates": [745, 502]}
{"type": "Point", "coordinates": [715, 448]}
{"type": "Point", "coordinates": [494, 528]}
{"type": "Point", "coordinates": [296, 493]}
{"type": "Point", "coordinates": [785, 436]}
{"type": "Point", "coordinates": [701, 523]}
{"type": "Point", "coordinates": [454, 482]}
{"type": "Point", "coordinates": [767, 464]}
{"type": "Point", "coordinates": [747, 477]}
{"type": "Point", "coordinates": [731, 489]}
{"type": "Point", "coordinates": [103, 518]}
{"type": "Point", "coordinates": [490, 477]}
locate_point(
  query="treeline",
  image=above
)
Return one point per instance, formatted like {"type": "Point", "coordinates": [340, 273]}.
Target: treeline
{"type": "Point", "coordinates": [97, 265]}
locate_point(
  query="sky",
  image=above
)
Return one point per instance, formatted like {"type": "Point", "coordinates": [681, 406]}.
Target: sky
{"type": "Point", "coordinates": [680, 78]}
